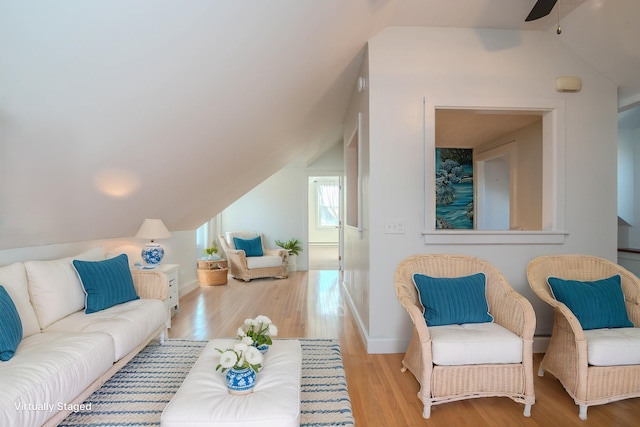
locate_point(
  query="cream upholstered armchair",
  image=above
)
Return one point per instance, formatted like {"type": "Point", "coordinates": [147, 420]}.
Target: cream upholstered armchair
{"type": "Point", "coordinates": [249, 258]}
{"type": "Point", "coordinates": [594, 349]}
{"type": "Point", "coordinates": [466, 360]}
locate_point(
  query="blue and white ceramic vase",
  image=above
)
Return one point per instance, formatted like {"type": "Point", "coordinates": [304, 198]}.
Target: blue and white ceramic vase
{"type": "Point", "coordinates": [241, 381]}
{"type": "Point", "coordinates": [262, 348]}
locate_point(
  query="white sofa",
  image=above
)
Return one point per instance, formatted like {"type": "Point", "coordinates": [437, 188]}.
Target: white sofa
{"type": "Point", "coordinates": [65, 354]}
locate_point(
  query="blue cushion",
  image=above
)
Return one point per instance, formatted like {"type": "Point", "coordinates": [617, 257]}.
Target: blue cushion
{"type": "Point", "coordinates": [453, 300]}
{"type": "Point", "coordinates": [251, 247]}
{"type": "Point", "coordinates": [598, 304]}
{"type": "Point", "coordinates": [10, 326]}
{"type": "Point", "coordinates": [106, 283]}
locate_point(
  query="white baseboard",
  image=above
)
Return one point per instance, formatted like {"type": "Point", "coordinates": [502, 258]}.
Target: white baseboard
{"type": "Point", "coordinates": [540, 344]}
{"type": "Point", "coordinates": [352, 306]}
{"type": "Point", "coordinates": [187, 287]}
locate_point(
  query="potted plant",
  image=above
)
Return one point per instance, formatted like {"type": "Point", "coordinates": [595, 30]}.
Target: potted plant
{"type": "Point", "coordinates": [294, 247]}
{"type": "Point", "coordinates": [211, 250]}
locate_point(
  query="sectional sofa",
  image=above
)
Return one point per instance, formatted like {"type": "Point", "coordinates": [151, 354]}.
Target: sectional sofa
{"type": "Point", "coordinates": [75, 322]}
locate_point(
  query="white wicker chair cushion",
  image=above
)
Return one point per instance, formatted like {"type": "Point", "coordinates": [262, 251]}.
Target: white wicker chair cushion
{"type": "Point", "coordinates": [264, 261]}
{"type": "Point", "coordinates": [474, 344]}
{"type": "Point", "coordinates": [612, 347]}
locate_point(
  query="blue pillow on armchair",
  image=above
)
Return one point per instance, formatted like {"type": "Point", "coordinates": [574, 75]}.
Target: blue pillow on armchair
{"type": "Point", "coordinates": [251, 247]}
{"type": "Point", "coordinates": [453, 300]}
{"type": "Point", "coordinates": [106, 283]}
{"type": "Point", "coordinates": [597, 304]}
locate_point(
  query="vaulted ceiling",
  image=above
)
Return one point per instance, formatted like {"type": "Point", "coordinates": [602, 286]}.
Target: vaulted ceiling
{"type": "Point", "coordinates": [112, 111]}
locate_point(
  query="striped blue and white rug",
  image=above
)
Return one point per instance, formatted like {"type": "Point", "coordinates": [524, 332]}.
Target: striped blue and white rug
{"type": "Point", "coordinates": [137, 394]}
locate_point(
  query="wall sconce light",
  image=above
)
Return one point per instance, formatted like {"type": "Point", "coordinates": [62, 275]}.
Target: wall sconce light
{"type": "Point", "coordinates": [153, 229]}
{"type": "Point", "coordinates": [568, 84]}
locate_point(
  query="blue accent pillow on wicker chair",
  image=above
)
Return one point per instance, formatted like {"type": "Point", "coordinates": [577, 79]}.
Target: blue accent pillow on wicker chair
{"type": "Point", "coordinates": [597, 304]}
{"type": "Point", "coordinates": [251, 247]}
{"type": "Point", "coordinates": [10, 326]}
{"type": "Point", "coordinates": [453, 300]}
{"type": "Point", "coordinates": [106, 283]}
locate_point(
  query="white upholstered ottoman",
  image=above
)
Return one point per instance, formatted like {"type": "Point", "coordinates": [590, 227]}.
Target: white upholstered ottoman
{"type": "Point", "coordinates": [203, 399]}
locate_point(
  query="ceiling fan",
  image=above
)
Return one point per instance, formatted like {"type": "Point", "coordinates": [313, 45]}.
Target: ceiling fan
{"type": "Point", "coordinates": [540, 9]}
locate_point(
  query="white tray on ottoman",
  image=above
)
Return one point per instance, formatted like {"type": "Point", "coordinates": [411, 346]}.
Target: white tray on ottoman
{"type": "Point", "coordinates": [203, 398]}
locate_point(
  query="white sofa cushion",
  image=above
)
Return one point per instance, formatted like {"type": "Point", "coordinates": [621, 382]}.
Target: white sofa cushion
{"type": "Point", "coordinates": [128, 324]}
{"type": "Point", "coordinates": [474, 344]}
{"type": "Point", "coordinates": [55, 288]}
{"type": "Point", "coordinates": [49, 370]}
{"type": "Point", "coordinates": [14, 279]}
{"type": "Point", "coordinates": [613, 347]}
{"type": "Point", "coordinates": [263, 261]}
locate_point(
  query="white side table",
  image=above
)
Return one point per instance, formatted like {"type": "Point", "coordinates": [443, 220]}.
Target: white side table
{"type": "Point", "coordinates": [173, 301]}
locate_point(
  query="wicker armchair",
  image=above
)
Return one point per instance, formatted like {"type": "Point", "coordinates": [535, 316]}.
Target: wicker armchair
{"type": "Point", "coordinates": [567, 355]}
{"type": "Point", "coordinates": [274, 262]}
{"type": "Point", "coordinates": [442, 384]}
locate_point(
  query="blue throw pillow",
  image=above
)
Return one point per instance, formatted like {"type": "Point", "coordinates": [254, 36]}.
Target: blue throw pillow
{"type": "Point", "coordinates": [10, 326]}
{"type": "Point", "coordinates": [453, 301]}
{"type": "Point", "coordinates": [106, 283]}
{"type": "Point", "coordinates": [598, 304]}
{"type": "Point", "coordinates": [251, 247]}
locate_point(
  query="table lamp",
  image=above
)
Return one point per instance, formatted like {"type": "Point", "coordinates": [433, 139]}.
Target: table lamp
{"type": "Point", "coordinates": [153, 229]}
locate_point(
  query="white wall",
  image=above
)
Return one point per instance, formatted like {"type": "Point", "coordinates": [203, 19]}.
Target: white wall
{"type": "Point", "coordinates": [357, 244]}
{"type": "Point", "coordinates": [407, 64]}
{"type": "Point", "coordinates": [627, 141]}
{"type": "Point", "coordinates": [179, 249]}
{"type": "Point", "coordinates": [629, 187]}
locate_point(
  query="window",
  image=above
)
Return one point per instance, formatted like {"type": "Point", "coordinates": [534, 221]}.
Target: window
{"type": "Point", "coordinates": [328, 203]}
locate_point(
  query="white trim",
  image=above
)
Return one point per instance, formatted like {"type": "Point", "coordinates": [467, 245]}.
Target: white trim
{"type": "Point", "coordinates": [355, 138]}
{"type": "Point", "coordinates": [540, 344]}
{"type": "Point", "coordinates": [360, 213]}
{"type": "Point", "coordinates": [493, 237]}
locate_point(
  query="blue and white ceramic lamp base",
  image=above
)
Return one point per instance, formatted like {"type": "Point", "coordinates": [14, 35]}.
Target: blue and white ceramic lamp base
{"type": "Point", "coordinates": [152, 253]}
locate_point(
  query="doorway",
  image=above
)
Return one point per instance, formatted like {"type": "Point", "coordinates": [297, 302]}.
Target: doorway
{"type": "Point", "coordinates": [324, 222]}
{"type": "Point", "coordinates": [496, 190]}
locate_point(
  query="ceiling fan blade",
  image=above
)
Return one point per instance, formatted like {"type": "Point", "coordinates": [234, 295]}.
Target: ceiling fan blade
{"type": "Point", "coordinates": [540, 9]}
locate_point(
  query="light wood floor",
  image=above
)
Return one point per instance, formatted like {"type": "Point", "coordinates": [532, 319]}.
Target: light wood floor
{"type": "Point", "coordinates": [323, 257]}
{"type": "Point", "coordinates": [310, 305]}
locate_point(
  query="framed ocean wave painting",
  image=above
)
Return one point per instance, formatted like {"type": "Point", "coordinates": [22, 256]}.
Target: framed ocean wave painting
{"type": "Point", "coordinates": [454, 188]}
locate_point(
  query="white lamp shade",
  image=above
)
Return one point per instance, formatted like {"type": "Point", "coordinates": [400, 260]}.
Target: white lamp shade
{"type": "Point", "coordinates": [153, 229]}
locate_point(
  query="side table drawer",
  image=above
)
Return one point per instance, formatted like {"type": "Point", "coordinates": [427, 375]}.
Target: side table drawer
{"type": "Point", "coordinates": [172, 297]}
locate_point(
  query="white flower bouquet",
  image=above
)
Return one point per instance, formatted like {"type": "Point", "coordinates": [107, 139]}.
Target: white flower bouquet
{"type": "Point", "coordinates": [241, 356]}
{"type": "Point", "coordinates": [258, 331]}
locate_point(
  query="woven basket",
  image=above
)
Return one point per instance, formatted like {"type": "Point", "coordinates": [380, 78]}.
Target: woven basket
{"type": "Point", "coordinates": [215, 277]}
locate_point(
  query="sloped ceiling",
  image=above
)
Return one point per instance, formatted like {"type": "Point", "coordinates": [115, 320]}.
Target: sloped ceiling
{"type": "Point", "coordinates": [113, 111]}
